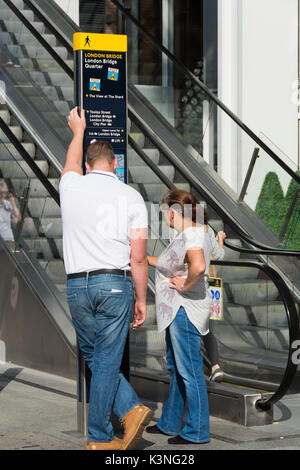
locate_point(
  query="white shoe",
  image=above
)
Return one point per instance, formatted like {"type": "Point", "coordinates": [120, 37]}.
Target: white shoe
{"type": "Point", "coordinates": [217, 376]}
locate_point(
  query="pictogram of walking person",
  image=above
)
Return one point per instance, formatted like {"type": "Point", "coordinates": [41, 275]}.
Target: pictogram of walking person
{"type": "Point", "coordinates": [87, 41]}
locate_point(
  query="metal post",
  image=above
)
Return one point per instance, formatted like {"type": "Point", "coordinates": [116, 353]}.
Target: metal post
{"type": "Point", "coordinates": [92, 43]}
{"type": "Point", "coordinates": [255, 156]}
{"type": "Point", "coordinates": [83, 388]}
{"type": "Point", "coordinates": [208, 132]}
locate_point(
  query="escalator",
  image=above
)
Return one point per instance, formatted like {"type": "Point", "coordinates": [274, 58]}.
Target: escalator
{"type": "Point", "coordinates": [260, 276]}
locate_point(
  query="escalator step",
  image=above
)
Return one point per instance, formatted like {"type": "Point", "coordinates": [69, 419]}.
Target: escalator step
{"type": "Point", "coordinates": [36, 187]}
{"type": "Point", "coordinates": [250, 292]}
{"type": "Point", "coordinates": [53, 78]}
{"type": "Point", "coordinates": [156, 192]}
{"type": "Point", "coordinates": [51, 227]}
{"type": "Point", "coordinates": [12, 169]}
{"type": "Point", "coordinates": [25, 38]}
{"type": "Point", "coordinates": [44, 65]}
{"type": "Point", "coordinates": [266, 314]}
{"type": "Point", "coordinates": [55, 269]}
{"type": "Point", "coordinates": [36, 52]}
{"type": "Point", "coordinates": [237, 273]}
{"type": "Point", "coordinates": [135, 160]}
{"type": "Point", "coordinates": [42, 247]}
{"type": "Point", "coordinates": [7, 14]}
{"type": "Point", "coordinates": [157, 363]}
{"type": "Point", "coordinates": [58, 93]}
{"type": "Point", "coordinates": [17, 3]}
{"type": "Point", "coordinates": [14, 26]}
{"type": "Point", "coordinates": [5, 115]}
{"type": "Point", "coordinates": [266, 338]}
{"type": "Point", "coordinates": [8, 151]}
{"type": "Point", "coordinates": [145, 175]}
{"type": "Point", "coordinates": [16, 130]}
{"type": "Point", "coordinates": [138, 138]}
{"type": "Point", "coordinates": [43, 207]}
{"type": "Point", "coordinates": [147, 338]}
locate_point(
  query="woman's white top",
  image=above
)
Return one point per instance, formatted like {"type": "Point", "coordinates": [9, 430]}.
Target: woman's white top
{"type": "Point", "coordinates": [6, 211]}
{"type": "Point", "coordinates": [196, 301]}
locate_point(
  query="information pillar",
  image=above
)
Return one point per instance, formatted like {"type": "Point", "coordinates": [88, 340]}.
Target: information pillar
{"type": "Point", "coordinates": [101, 90]}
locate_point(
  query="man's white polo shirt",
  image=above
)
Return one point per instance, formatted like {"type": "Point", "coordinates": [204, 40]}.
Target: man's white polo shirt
{"type": "Point", "coordinates": [98, 212]}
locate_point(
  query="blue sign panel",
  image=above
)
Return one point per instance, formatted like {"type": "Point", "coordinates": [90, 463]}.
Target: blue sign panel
{"type": "Point", "coordinates": [103, 92]}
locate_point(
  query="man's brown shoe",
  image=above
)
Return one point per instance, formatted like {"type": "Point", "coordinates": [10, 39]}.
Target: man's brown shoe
{"type": "Point", "coordinates": [115, 444]}
{"type": "Point", "coordinates": [134, 424]}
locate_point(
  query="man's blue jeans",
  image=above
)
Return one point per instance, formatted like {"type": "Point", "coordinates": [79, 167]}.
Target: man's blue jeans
{"type": "Point", "coordinates": [101, 307]}
{"type": "Point", "coordinates": [187, 383]}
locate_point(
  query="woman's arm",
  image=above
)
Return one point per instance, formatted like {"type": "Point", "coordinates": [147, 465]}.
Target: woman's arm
{"type": "Point", "coordinates": [15, 213]}
{"type": "Point", "coordinates": [152, 260]}
{"type": "Point", "coordinates": [218, 251]}
{"type": "Point", "coordinates": [197, 267]}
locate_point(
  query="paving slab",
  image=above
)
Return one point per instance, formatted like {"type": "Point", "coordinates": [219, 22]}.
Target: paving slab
{"type": "Point", "coordinates": [39, 412]}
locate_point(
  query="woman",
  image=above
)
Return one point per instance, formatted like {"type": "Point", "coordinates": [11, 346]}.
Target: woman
{"type": "Point", "coordinates": [9, 213]}
{"type": "Point", "coordinates": [183, 308]}
{"type": "Point", "coordinates": [210, 342]}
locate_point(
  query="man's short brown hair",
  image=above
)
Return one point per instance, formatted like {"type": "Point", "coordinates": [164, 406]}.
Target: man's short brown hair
{"type": "Point", "coordinates": [99, 151]}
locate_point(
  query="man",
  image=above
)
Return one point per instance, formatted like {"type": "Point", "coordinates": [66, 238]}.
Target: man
{"type": "Point", "coordinates": [104, 240]}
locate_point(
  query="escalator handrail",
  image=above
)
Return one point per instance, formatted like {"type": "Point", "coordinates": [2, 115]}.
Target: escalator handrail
{"type": "Point", "coordinates": [208, 93]}
{"type": "Point", "coordinates": [271, 251]}
{"type": "Point", "coordinates": [293, 324]}
{"type": "Point", "coordinates": [40, 38]}
{"type": "Point", "coordinates": [30, 162]}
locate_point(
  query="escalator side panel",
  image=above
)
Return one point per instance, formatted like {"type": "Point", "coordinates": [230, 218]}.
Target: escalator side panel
{"type": "Point", "coordinates": [31, 337]}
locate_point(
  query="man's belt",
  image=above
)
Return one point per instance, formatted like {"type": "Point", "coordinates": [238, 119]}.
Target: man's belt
{"type": "Point", "coordinates": [100, 271]}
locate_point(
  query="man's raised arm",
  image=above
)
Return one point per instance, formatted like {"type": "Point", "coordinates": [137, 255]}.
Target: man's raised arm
{"type": "Point", "coordinates": [74, 157]}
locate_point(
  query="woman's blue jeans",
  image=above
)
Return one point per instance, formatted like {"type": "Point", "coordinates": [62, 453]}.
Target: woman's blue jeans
{"type": "Point", "coordinates": [101, 307]}
{"type": "Point", "coordinates": [187, 383]}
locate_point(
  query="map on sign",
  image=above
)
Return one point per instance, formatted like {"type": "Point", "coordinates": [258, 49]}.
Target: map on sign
{"type": "Point", "coordinates": [216, 291]}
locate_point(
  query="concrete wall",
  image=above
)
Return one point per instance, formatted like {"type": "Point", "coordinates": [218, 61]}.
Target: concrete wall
{"type": "Point", "coordinates": [258, 68]}
{"type": "Point", "coordinates": [71, 7]}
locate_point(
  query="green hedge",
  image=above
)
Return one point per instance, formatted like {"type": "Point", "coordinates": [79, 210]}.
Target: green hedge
{"type": "Point", "coordinates": [272, 207]}
{"type": "Point", "coordinates": [292, 237]}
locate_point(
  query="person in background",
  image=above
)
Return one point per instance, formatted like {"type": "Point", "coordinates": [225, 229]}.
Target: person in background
{"type": "Point", "coordinates": [105, 226]}
{"type": "Point", "coordinates": [183, 305]}
{"type": "Point", "coordinates": [9, 213]}
{"type": "Point", "coordinates": [210, 342]}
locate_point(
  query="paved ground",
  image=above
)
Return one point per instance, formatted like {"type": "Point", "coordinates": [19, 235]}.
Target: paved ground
{"type": "Point", "coordinates": [39, 412]}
